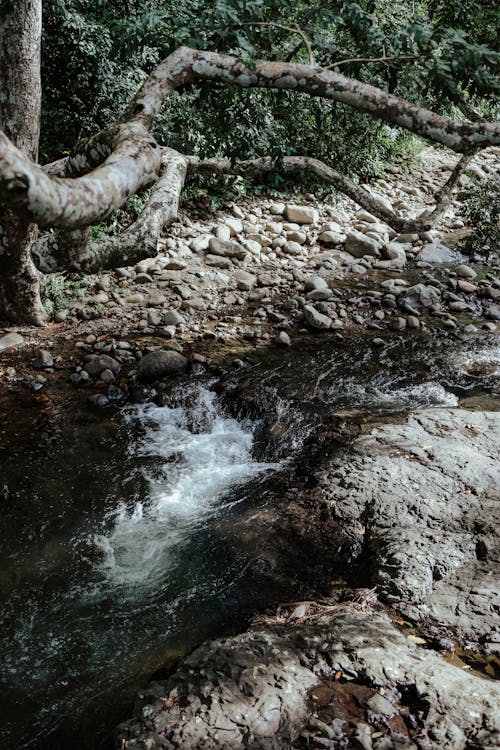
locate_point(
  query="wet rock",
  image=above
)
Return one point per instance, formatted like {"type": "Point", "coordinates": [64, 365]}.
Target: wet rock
{"type": "Point", "coordinates": [43, 359]}
{"type": "Point", "coordinates": [316, 319]}
{"type": "Point", "coordinates": [159, 364]}
{"type": "Point", "coordinates": [418, 296]}
{"type": "Point", "coordinates": [95, 364]}
{"type": "Point", "coordinates": [358, 245]}
{"type": "Point", "coordinates": [268, 687]}
{"type": "Point", "coordinates": [10, 340]}
{"type": "Point", "coordinates": [302, 214]}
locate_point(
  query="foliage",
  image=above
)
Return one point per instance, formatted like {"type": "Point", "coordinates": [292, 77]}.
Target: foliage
{"type": "Point", "coordinates": [482, 212]}
{"type": "Point", "coordinates": [58, 292]}
{"type": "Point", "coordinates": [97, 52]}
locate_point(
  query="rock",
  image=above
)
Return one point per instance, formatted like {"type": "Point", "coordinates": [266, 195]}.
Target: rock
{"type": "Point", "coordinates": [316, 319]}
{"type": "Point", "coordinates": [315, 282]}
{"type": "Point", "coordinates": [9, 340]}
{"type": "Point", "coordinates": [466, 287]}
{"type": "Point", "coordinates": [194, 303]}
{"type": "Point", "coordinates": [292, 248]}
{"type": "Point", "coordinates": [332, 238]}
{"type": "Point", "coordinates": [222, 232]}
{"type": "Point", "coordinates": [199, 244]}
{"type": "Point", "coordinates": [43, 359]}
{"type": "Point", "coordinates": [319, 295]}
{"type": "Point", "coordinates": [262, 683]}
{"type": "Point", "coordinates": [492, 311]}
{"type": "Point", "coordinates": [301, 214]}
{"type": "Point", "coordinates": [419, 296]}
{"type": "Point", "coordinates": [107, 376]}
{"type": "Point", "coordinates": [363, 215]}
{"type": "Point", "coordinates": [173, 318]}
{"type": "Point", "coordinates": [229, 248]}
{"type": "Point", "coordinates": [278, 209]}
{"type": "Point", "coordinates": [218, 261]}
{"type": "Point", "coordinates": [358, 245]}
{"type": "Point", "coordinates": [465, 272]}
{"type": "Point", "coordinates": [159, 364]}
{"type": "Point", "coordinates": [245, 281]}
{"type": "Point", "coordinates": [61, 315]}
{"type": "Point", "coordinates": [283, 339]}
{"type": "Point", "coordinates": [235, 226]}
{"type": "Point", "coordinates": [379, 343]}
{"type": "Point", "coordinates": [413, 321]}
{"type": "Point", "coordinates": [97, 363]}
{"type": "Point", "coordinates": [135, 299]}
{"type": "Point", "coordinates": [433, 488]}
{"type": "Point", "coordinates": [435, 252]}
{"type": "Point", "coordinates": [395, 251]}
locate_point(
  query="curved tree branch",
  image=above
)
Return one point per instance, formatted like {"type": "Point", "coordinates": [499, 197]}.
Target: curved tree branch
{"type": "Point", "coordinates": [185, 66]}
{"type": "Point", "coordinates": [72, 203]}
{"type": "Point", "coordinates": [140, 240]}
{"type": "Point", "coordinates": [358, 194]}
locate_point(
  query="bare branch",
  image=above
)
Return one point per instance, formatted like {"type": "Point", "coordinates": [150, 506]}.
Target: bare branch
{"type": "Point", "coordinates": [71, 203]}
{"type": "Point", "coordinates": [295, 29]}
{"type": "Point", "coordinates": [343, 184]}
{"type": "Point", "coordinates": [384, 58]}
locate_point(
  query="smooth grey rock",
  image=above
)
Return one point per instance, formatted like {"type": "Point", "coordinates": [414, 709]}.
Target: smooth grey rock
{"type": "Point", "coordinates": [435, 252]}
{"type": "Point", "coordinates": [9, 340]}
{"type": "Point", "coordinates": [173, 318]}
{"type": "Point", "coordinates": [301, 214]}
{"type": "Point", "coordinates": [465, 272]}
{"type": "Point", "coordinates": [97, 363]}
{"type": "Point", "coordinates": [229, 248]}
{"type": "Point", "coordinates": [159, 364]}
{"type": "Point", "coordinates": [332, 238]}
{"type": "Point", "coordinates": [43, 359]}
{"type": "Point", "coordinates": [245, 281]}
{"type": "Point", "coordinates": [316, 319]}
{"type": "Point", "coordinates": [358, 244]}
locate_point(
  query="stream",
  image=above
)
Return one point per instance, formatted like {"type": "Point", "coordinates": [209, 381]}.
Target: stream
{"type": "Point", "coordinates": [121, 531]}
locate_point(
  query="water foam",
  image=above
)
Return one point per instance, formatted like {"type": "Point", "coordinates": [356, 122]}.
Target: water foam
{"type": "Point", "coordinates": [194, 469]}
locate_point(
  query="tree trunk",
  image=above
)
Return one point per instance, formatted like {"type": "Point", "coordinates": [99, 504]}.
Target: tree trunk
{"type": "Point", "coordinates": [20, 100]}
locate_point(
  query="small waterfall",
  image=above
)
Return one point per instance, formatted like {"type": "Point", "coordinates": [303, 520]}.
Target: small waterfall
{"type": "Point", "coordinates": [198, 453]}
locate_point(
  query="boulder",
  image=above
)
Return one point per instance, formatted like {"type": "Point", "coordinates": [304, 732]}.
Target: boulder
{"type": "Point", "coordinates": [436, 252]}
{"type": "Point", "coordinates": [419, 296]}
{"type": "Point", "coordinates": [358, 244]}
{"type": "Point", "coordinates": [302, 214]}
{"type": "Point", "coordinates": [159, 364]}
{"type": "Point", "coordinates": [316, 319]}
{"type": "Point", "coordinates": [227, 248]}
{"type": "Point", "coordinates": [332, 238]}
{"type": "Point", "coordinates": [10, 339]}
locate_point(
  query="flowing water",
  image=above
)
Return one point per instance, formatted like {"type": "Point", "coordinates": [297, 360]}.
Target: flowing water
{"type": "Point", "coordinates": [117, 551]}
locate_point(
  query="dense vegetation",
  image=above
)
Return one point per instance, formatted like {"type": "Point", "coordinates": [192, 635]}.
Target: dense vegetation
{"type": "Point", "coordinates": [98, 52]}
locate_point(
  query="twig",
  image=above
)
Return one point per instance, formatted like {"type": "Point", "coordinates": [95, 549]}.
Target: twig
{"type": "Point", "coordinates": [295, 29]}
{"type": "Point", "coordinates": [384, 58]}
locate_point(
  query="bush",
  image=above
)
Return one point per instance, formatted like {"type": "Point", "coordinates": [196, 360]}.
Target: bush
{"type": "Point", "coordinates": [482, 212]}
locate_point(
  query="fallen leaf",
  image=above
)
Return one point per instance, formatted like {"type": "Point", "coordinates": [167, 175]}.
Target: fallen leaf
{"type": "Point", "coordinates": [416, 639]}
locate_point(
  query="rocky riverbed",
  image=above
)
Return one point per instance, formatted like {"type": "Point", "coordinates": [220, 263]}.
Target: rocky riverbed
{"type": "Point", "coordinates": [335, 336]}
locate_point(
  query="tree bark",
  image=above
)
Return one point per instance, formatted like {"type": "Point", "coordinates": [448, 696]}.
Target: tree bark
{"type": "Point", "coordinates": [20, 101]}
